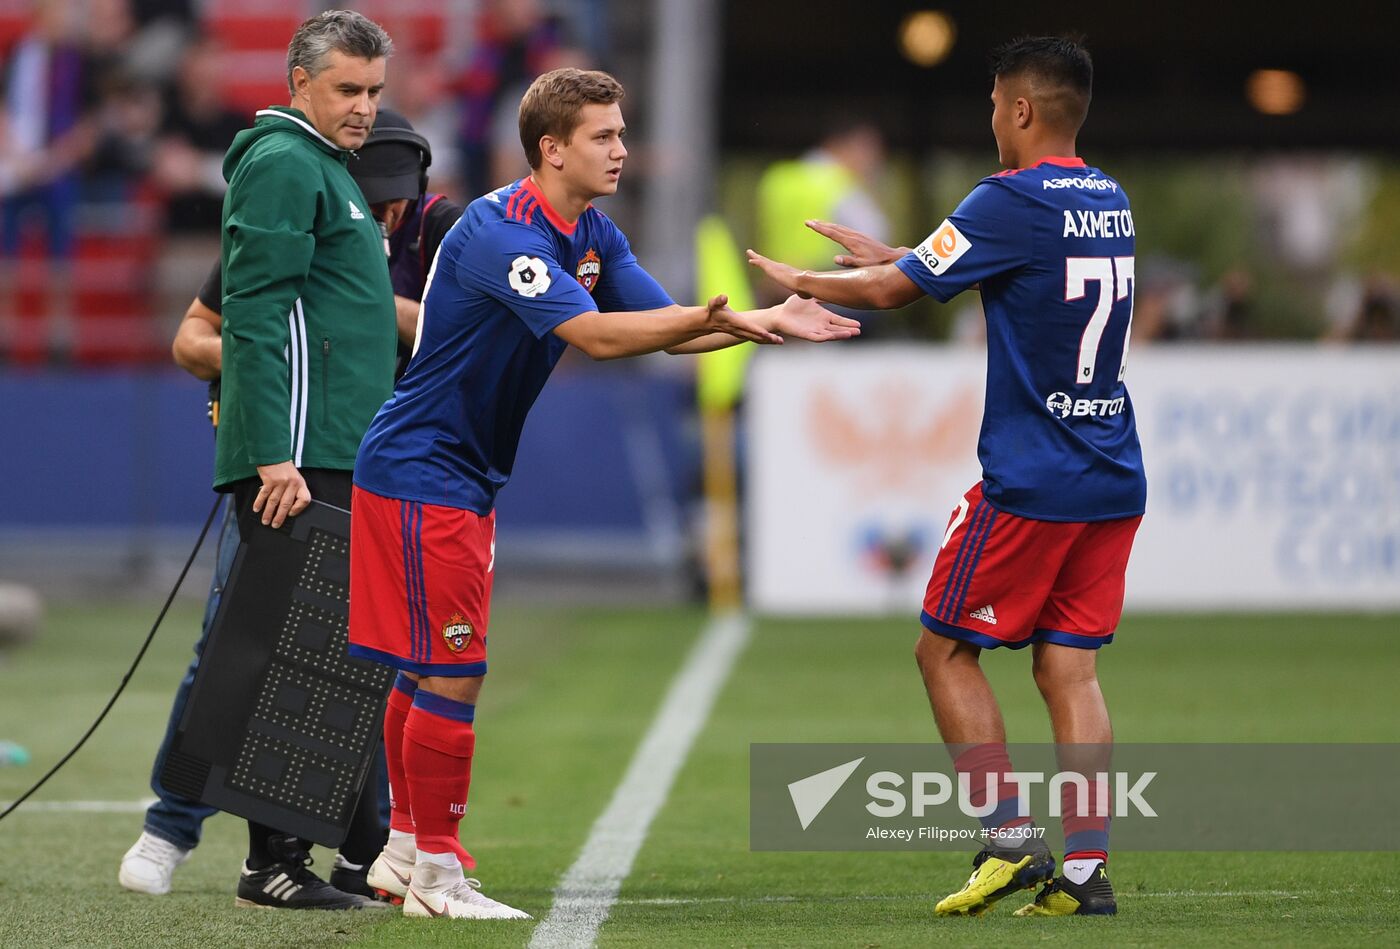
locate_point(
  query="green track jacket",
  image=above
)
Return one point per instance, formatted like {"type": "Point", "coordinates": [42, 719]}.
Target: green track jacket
{"type": "Point", "coordinates": [308, 310]}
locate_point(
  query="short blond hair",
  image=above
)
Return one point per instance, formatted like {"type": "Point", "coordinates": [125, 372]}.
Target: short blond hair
{"type": "Point", "coordinates": [553, 105]}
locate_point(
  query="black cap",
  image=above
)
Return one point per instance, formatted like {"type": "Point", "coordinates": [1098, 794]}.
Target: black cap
{"type": "Point", "coordinates": [393, 162]}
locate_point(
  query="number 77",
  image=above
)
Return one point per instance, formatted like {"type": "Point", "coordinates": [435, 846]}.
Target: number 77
{"type": "Point", "coordinates": [1110, 272]}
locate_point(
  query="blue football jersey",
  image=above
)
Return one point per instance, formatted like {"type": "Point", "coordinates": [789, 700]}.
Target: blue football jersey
{"type": "Point", "coordinates": [1052, 248]}
{"type": "Point", "coordinates": [508, 273]}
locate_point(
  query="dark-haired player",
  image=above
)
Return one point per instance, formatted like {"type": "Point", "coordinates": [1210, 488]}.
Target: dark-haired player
{"type": "Point", "coordinates": [1035, 553]}
{"type": "Point", "coordinates": [530, 269]}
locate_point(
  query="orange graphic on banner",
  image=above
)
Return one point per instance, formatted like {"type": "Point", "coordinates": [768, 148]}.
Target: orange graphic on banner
{"type": "Point", "coordinates": [890, 437]}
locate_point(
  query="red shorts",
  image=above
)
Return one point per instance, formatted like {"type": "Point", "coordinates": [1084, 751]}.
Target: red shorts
{"type": "Point", "coordinates": [420, 585]}
{"type": "Point", "coordinates": [1003, 580]}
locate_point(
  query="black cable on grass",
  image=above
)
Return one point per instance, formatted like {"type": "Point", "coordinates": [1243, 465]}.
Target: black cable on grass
{"type": "Point", "coordinates": [129, 672]}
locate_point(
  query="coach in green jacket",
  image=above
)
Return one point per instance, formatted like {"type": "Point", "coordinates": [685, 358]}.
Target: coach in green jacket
{"type": "Point", "coordinates": [308, 343]}
{"type": "Point", "coordinates": [309, 332]}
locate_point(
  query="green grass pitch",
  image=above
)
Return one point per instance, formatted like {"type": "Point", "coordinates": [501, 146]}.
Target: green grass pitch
{"type": "Point", "coordinates": [570, 695]}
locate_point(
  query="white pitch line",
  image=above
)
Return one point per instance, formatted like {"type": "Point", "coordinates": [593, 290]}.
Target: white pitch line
{"type": "Point", "coordinates": [82, 807]}
{"type": "Point", "coordinates": [589, 888]}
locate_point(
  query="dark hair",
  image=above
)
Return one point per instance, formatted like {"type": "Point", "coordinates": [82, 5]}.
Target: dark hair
{"type": "Point", "coordinates": [554, 103]}
{"type": "Point", "coordinates": [344, 31]}
{"type": "Point", "coordinates": [1060, 71]}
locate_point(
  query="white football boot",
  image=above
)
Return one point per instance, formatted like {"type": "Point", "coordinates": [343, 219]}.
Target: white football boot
{"type": "Point", "coordinates": [149, 864]}
{"type": "Point", "coordinates": [392, 870]}
{"type": "Point", "coordinates": [444, 892]}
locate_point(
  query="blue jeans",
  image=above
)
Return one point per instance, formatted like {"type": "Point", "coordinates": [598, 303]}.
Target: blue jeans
{"type": "Point", "coordinates": [179, 820]}
{"type": "Point", "coordinates": [173, 818]}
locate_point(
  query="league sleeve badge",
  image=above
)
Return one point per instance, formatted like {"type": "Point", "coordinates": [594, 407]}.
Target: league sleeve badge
{"type": "Point", "coordinates": [529, 276]}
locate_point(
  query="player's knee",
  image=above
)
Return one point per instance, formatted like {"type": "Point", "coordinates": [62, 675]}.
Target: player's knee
{"type": "Point", "coordinates": [923, 655]}
{"type": "Point", "coordinates": [935, 653]}
{"type": "Point", "coordinates": [1060, 672]}
{"type": "Point", "coordinates": [458, 688]}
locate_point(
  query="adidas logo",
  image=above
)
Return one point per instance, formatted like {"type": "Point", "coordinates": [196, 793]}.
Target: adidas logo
{"type": "Point", "coordinates": [985, 614]}
{"type": "Point", "coordinates": [355, 213]}
{"type": "Point", "coordinates": [281, 887]}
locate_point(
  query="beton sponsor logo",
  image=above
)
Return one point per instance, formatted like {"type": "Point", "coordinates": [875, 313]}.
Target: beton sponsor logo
{"type": "Point", "coordinates": [1062, 406]}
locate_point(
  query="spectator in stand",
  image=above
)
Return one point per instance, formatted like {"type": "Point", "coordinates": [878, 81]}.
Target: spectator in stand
{"type": "Point", "coordinates": [1377, 318]}
{"type": "Point", "coordinates": [1228, 312]}
{"type": "Point", "coordinates": [128, 107]}
{"type": "Point", "coordinates": [830, 183]}
{"type": "Point", "coordinates": [128, 116]}
{"type": "Point", "coordinates": [198, 128]}
{"type": "Point", "coordinates": [172, 11]}
{"type": "Point", "coordinates": [127, 113]}
{"type": "Point", "coordinates": [514, 41]}
{"type": "Point", "coordinates": [506, 163]}
{"type": "Point", "coordinates": [47, 133]}
{"type": "Point", "coordinates": [1166, 301]}
{"type": "Point", "coordinates": [187, 166]}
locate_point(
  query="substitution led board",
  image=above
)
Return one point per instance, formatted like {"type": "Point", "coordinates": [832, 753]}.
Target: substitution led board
{"type": "Point", "coordinates": [282, 724]}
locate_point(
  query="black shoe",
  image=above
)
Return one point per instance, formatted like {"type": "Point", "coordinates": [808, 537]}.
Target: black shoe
{"type": "Point", "coordinates": [347, 878]}
{"type": "Point", "coordinates": [1093, 897]}
{"type": "Point", "coordinates": [288, 884]}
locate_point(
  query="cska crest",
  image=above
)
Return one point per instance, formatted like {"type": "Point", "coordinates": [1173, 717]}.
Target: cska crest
{"type": "Point", "coordinates": [590, 268]}
{"type": "Point", "coordinates": [457, 632]}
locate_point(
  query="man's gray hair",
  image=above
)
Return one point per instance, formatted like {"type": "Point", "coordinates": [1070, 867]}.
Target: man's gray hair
{"type": "Point", "coordinates": [345, 31]}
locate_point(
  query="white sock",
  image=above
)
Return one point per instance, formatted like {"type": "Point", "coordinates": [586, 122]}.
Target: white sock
{"type": "Point", "coordinates": [1077, 871]}
{"type": "Point", "coordinates": [445, 861]}
{"type": "Point", "coordinates": [401, 846]}
{"type": "Point", "coordinates": [342, 864]}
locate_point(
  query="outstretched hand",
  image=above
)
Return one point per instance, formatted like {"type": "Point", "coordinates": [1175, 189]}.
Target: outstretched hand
{"type": "Point", "coordinates": [722, 319]}
{"type": "Point", "coordinates": [862, 250]}
{"type": "Point", "coordinates": [804, 318]}
{"type": "Point", "coordinates": [780, 273]}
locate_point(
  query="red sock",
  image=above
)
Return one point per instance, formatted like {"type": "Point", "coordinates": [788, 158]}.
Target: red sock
{"type": "Point", "coordinates": [437, 759]}
{"type": "Point", "coordinates": [400, 701]}
{"type": "Point", "coordinates": [1086, 822]}
{"type": "Point", "coordinates": [975, 764]}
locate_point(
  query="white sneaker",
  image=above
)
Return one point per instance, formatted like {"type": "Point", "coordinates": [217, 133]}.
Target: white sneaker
{"type": "Point", "coordinates": [149, 864]}
{"type": "Point", "coordinates": [442, 891]}
{"type": "Point", "coordinates": [393, 868]}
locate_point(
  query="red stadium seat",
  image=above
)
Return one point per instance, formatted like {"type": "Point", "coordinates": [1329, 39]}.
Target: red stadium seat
{"type": "Point", "coordinates": [252, 31]}
{"type": "Point", "coordinates": [113, 285]}
{"type": "Point", "coordinates": [255, 79]}
{"type": "Point", "coordinates": [15, 17]}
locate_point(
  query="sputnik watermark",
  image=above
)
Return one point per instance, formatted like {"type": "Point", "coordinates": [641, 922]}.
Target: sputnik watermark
{"type": "Point", "coordinates": [1152, 797]}
{"type": "Point", "coordinates": [930, 789]}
